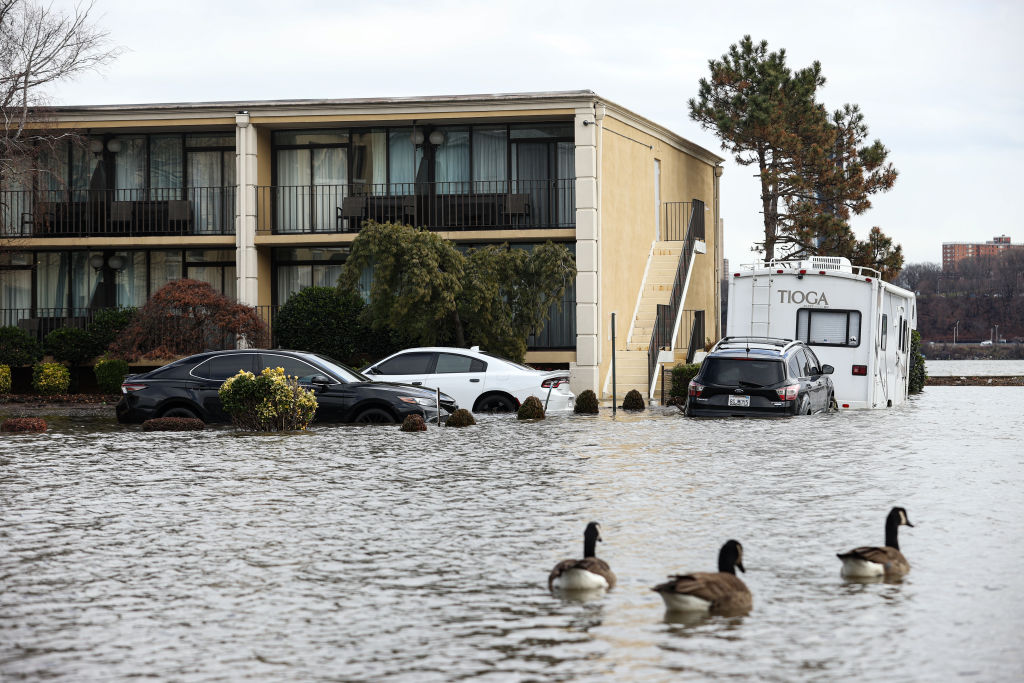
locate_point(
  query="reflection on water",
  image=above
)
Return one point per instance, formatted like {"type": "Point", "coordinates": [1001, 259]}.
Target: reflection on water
{"type": "Point", "coordinates": [372, 554]}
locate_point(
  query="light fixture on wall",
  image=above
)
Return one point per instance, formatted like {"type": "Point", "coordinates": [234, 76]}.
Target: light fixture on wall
{"type": "Point", "coordinates": [436, 137]}
{"type": "Point", "coordinates": [95, 146]}
{"type": "Point", "coordinates": [417, 136]}
{"type": "Point", "coordinates": [115, 262]}
{"type": "Point", "coordinates": [114, 145]}
{"type": "Point", "coordinates": [96, 261]}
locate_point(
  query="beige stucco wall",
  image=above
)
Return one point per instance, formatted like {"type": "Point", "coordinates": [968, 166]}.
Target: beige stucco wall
{"type": "Point", "coordinates": [628, 229]}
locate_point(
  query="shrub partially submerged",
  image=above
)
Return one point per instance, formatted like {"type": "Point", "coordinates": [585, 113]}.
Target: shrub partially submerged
{"type": "Point", "coordinates": [173, 424]}
{"type": "Point", "coordinates": [110, 372]}
{"type": "Point", "coordinates": [50, 378]}
{"type": "Point", "coordinates": [268, 402]}
{"type": "Point", "coordinates": [460, 418]}
{"type": "Point", "coordinates": [532, 409]}
{"type": "Point", "coordinates": [633, 401]}
{"type": "Point", "coordinates": [586, 402]}
{"type": "Point", "coordinates": [414, 423]}
{"type": "Point", "coordinates": [23, 424]}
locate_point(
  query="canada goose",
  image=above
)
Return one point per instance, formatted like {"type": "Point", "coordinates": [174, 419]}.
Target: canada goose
{"type": "Point", "coordinates": [887, 560]}
{"type": "Point", "coordinates": [587, 574]}
{"type": "Point", "coordinates": [720, 592]}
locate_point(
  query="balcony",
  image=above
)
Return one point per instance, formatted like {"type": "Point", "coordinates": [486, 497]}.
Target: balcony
{"type": "Point", "coordinates": [442, 206]}
{"type": "Point", "coordinates": [118, 213]}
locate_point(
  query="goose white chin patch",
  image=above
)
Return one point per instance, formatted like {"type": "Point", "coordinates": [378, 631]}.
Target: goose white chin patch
{"type": "Point", "coordinates": [678, 602]}
{"type": "Point", "coordinates": [579, 580]}
{"type": "Point", "coordinates": [861, 568]}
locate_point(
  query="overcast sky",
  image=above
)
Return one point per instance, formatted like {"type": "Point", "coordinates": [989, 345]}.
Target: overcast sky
{"type": "Point", "coordinates": [940, 83]}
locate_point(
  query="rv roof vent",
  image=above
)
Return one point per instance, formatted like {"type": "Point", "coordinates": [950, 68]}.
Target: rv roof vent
{"type": "Point", "coordinates": [840, 263]}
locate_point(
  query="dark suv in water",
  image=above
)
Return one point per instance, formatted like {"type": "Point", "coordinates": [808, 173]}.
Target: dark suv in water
{"type": "Point", "coordinates": [188, 388]}
{"type": "Point", "coordinates": [760, 376]}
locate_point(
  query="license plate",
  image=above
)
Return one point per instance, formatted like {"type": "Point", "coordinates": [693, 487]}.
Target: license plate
{"type": "Point", "coordinates": [739, 401]}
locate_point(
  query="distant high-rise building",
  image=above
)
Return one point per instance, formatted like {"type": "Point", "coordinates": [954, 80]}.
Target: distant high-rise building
{"type": "Point", "coordinates": [954, 252]}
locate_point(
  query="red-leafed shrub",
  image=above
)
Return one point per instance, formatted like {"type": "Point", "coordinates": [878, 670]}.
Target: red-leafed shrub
{"type": "Point", "coordinates": [23, 424]}
{"type": "Point", "coordinates": [186, 317]}
{"type": "Point", "coordinates": [173, 424]}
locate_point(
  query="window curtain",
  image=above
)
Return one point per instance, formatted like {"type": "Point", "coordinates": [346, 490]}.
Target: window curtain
{"type": "Point", "coordinates": [402, 156]}
{"type": "Point", "coordinates": [208, 173]}
{"type": "Point", "coordinates": [369, 163]}
{"type": "Point", "coordinates": [165, 164]}
{"type": "Point", "coordinates": [330, 177]}
{"type": "Point", "coordinates": [86, 172]}
{"type": "Point", "coordinates": [131, 280]}
{"type": "Point", "coordinates": [164, 266]}
{"type": "Point", "coordinates": [530, 175]}
{"type": "Point", "coordinates": [565, 187]}
{"type": "Point", "coordinates": [291, 279]}
{"type": "Point", "coordinates": [293, 191]}
{"type": "Point", "coordinates": [16, 293]}
{"type": "Point", "coordinates": [490, 159]}
{"type": "Point", "coordinates": [130, 168]}
{"type": "Point", "coordinates": [451, 162]}
{"type": "Point", "coordinates": [52, 282]}
{"type": "Point", "coordinates": [326, 275]}
{"type": "Point", "coordinates": [85, 280]}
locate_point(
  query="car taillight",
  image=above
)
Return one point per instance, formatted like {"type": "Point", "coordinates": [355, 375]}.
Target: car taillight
{"type": "Point", "coordinates": [695, 389]}
{"type": "Point", "coordinates": [131, 386]}
{"type": "Point", "coordinates": [554, 382]}
{"type": "Point", "coordinates": [788, 393]}
{"type": "Point", "coordinates": [860, 370]}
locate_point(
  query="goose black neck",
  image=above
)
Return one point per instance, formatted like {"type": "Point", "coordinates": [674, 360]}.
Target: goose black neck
{"type": "Point", "coordinates": [590, 546]}
{"type": "Point", "coordinates": [727, 561]}
{"type": "Point", "coordinates": [892, 526]}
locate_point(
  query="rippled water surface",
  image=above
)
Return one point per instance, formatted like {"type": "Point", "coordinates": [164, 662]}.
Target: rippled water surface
{"type": "Point", "coordinates": [983, 368]}
{"type": "Point", "coordinates": [370, 554]}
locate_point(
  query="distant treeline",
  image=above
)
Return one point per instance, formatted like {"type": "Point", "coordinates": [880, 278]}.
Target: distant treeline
{"type": "Point", "coordinates": [982, 293]}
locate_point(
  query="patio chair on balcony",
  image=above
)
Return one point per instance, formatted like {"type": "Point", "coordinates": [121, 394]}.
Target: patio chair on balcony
{"type": "Point", "coordinates": [179, 214]}
{"type": "Point", "coordinates": [351, 208]}
{"type": "Point", "coordinates": [121, 216]}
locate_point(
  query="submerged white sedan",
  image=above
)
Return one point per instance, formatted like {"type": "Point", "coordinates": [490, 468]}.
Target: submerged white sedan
{"type": "Point", "coordinates": [477, 380]}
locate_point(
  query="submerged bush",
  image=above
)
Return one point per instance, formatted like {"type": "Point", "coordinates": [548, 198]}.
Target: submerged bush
{"type": "Point", "coordinates": [110, 372]}
{"type": "Point", "coordinates": [50, 378]}
{"type": "Point", "coordinates": [918, 373]}
{"type": "Point", "coordinates": [586, 403]}
{"type": "Point", "coordinates": [681, 376]}
{"type": "Point", "coordinates": [5, 379]}
{"type": "Point", "coordinates": [532, 409]}
{"type": "Point", "coordinates": [18, 347]}
{"type": "Point", "coordinates": [460, 418]}
{"type": "Point", "coordinates": [173, 424]}
{"type": "Point", "coordinates": [633, 401]}
{"type": "Point", "coordinates": [71, 345]}
{"type": "Point", "coordinates": [268, 402]}
{"type": "Point", "coordinates": [23, 424]}
{"type": "Point", "coordinates": [414, 423]}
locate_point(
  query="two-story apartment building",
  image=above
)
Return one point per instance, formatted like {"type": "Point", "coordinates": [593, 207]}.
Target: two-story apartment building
{"type": "Point", "coordinates": [263, 198]}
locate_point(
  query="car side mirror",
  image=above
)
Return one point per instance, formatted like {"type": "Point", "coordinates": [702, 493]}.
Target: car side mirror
{"type": "Point", "coordinates": [320, 380]}
{"type": "Point", "coordinates": [371, 371]}
{"type": "Point", "coordinates": [827, 369]}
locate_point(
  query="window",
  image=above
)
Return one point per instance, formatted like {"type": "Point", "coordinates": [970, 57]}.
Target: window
{"type": "Point", "coordinates": [453, 362]}
{"type": "Point", "coordinates": [293, 367]}
{"type": "Point", "coordinates": [813, 366]}
{"type": "Point", "coordinates": [885, 330]}
{"type": "Point", "coordinates": [222, 367]}
{"type": "Point", "coordinates": [733, 371]}
{"type": "Point", "coordinates": [796, 368]}
{"type": "Point", "coordinates": [416, 363]}
{"type": "Point", "coordinates": [828, 327]}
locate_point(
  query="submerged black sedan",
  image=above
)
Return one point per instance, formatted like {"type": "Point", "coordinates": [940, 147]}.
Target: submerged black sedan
{"type": "Point", "coordinates": [189, 388]}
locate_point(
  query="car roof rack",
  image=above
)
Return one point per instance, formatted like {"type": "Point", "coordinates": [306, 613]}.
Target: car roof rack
{"type": "Point", "coordinates": [736, 342]}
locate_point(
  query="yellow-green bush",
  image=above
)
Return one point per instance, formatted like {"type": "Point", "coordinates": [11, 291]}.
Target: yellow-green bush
{"type": "Point", "coordinates": [5, 379]}
{"type": "Point", "coordinates": [50, 378]}
{"type": "Point", "coordinates": [268, 402]}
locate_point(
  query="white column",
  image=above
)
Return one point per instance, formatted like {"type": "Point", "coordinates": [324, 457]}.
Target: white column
{"type": "Point", "coordinates": [585, 373]}
{"type": "Point", "coordinates": [245, 211]}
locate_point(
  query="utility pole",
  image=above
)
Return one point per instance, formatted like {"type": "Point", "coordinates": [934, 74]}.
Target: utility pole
{"type": "Point", "coordinates": [955, 326]}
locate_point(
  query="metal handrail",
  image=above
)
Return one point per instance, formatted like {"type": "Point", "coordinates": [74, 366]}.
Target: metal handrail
{"type": "Point", "coordinates": [665, 316]}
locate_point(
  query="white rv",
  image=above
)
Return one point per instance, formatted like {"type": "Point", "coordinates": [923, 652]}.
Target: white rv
{"type": "Point", "coordinates": [856, 323]}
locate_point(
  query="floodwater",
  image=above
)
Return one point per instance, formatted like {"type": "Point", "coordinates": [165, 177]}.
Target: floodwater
{"type": "Point", "coordinates": [370, 554]}
{"type": "Point", "coordinates": [974, 368]}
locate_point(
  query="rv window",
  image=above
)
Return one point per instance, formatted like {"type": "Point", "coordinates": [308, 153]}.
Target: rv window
{"type": "Point", "coordinates": [828, 327]}
{"type": "Point", "coordinates": [885, 330]}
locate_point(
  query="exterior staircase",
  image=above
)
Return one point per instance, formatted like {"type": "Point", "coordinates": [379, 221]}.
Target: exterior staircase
{"type": "Point", "coordinates": [631, 363]}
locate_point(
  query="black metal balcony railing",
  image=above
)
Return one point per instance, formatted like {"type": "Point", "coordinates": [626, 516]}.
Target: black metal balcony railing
{"type": "Point", "coordinates": [100, 213]}
{"type": "Point", "coordinates": [465, 205]}
{"type": "Point", "coordinates": [664, 322]}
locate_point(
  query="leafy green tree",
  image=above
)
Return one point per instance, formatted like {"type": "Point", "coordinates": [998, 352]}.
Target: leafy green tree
{"type": "Point", "coordinates": [816, 168]}
{"type": "Point", "coordinates": [428, 292]}
{"type": "Point", "coordinates": [327, 321]}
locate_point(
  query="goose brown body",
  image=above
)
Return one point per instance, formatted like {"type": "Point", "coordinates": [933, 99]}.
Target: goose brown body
{"type": "Point", "coordinates": [589, 573]}
{"type": "Point", "coordinates": [720, 592]}
{"type": "Point", "coordinates": [887, 560]}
